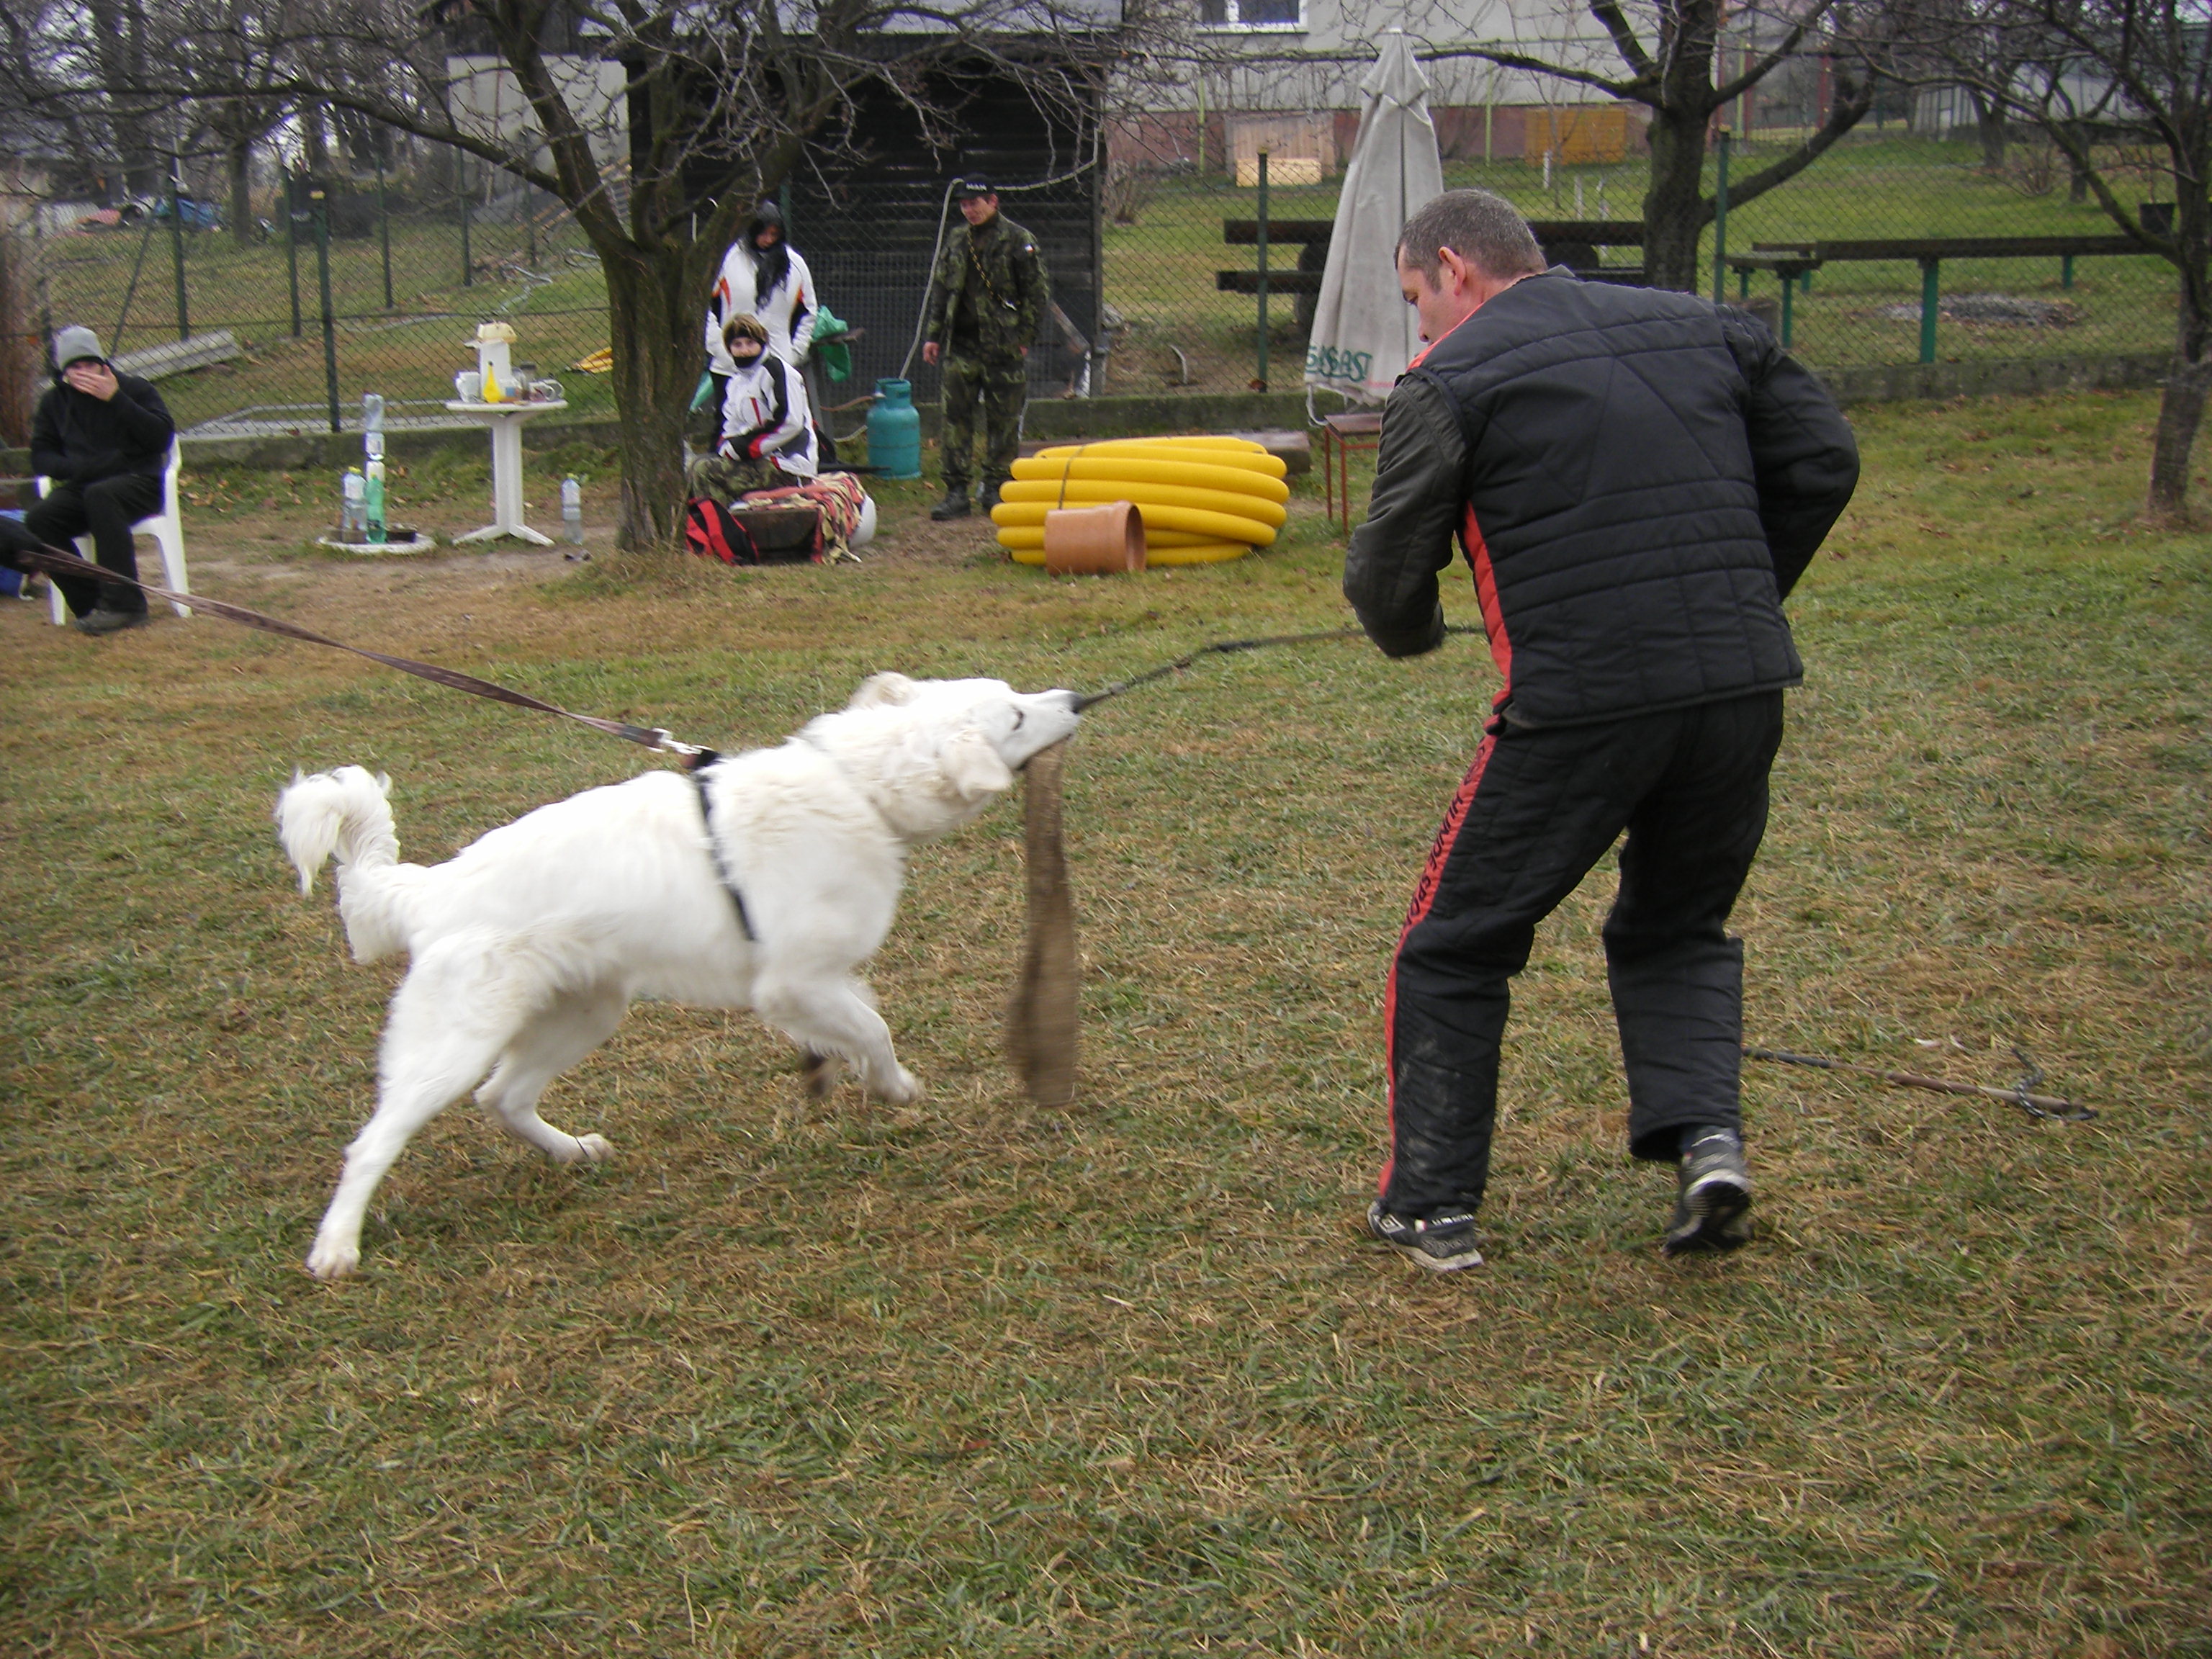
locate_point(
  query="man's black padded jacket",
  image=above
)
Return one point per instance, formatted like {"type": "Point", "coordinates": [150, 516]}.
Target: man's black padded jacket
{"type": "Point", "coordinates": [1638, 477]}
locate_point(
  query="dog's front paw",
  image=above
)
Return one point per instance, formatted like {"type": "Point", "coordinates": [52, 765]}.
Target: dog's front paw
{"type": "Point", "coordinates": [332, 1259]}
{"type": "Point", "coordinates": [593, 1149]}
{"type": "Point", "coordinates": [902, 1088]}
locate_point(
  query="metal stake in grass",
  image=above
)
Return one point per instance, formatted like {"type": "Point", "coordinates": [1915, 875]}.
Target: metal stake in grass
{"type": "Point", "coordinates": [2020, 1094]}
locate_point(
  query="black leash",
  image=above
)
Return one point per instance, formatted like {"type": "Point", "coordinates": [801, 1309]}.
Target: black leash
{"type": "Point", "coordinates": [1224, 647]}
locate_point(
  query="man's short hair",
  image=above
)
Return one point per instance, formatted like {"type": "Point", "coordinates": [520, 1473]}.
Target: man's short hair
{"type": "Point", "coordinates": [1483, 229]}
{"type": "Point", "coordinates": [745, 327]}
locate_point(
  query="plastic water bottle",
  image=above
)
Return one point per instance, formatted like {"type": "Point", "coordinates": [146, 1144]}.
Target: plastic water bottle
{"type": "Point", "coordinates": [353, 515]}
{"type": "Point", "coordinates": [572, 512]}
{"type": "Point", "coordinates": [371, 412]}
{"type": "Point", "coordinates": [373, 500]}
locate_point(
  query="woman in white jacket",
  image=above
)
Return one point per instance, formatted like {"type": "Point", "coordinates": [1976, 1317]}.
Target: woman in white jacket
{"type": "Point", "coordinates": [763, 277]}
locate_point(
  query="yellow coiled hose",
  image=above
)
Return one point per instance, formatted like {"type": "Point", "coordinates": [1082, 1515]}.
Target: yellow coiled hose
{"type": "Point", "coordinates": [1202, 499]}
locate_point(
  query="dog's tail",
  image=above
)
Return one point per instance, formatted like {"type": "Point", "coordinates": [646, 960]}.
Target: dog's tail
{"type": "Point", "coordinates": [344, 815]}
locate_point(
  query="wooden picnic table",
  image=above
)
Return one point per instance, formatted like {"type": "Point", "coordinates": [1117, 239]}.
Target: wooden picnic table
{"type": "Point", "coordinates": [1795, 262]}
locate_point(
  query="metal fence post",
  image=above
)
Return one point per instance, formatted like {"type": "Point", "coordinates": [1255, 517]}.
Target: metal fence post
{"type": "Point", "coordinates": [177, 246]}
{"type": "Point", "coordinates": [468, 275]}
{"type": "Point", "coordinates": [384, 232]}
{"type": "Point", "coordinates": [1720, 223]}
{"type": "Point", "coordinates": [1928, 300]}
{"type": "Point", "coordinates": [329, 319]}
{"type": "Point", "coordinates": [292, 249]}
{"type": "Point", "coordinates": [1262, 377]}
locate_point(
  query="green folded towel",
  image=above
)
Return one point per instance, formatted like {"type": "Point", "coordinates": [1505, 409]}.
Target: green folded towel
{"type": "Point", "coordinates": [829, 348]}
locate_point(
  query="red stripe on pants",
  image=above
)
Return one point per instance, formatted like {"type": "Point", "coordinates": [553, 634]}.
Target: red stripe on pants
{"type": "Point", "coordinates": [1424, 895]}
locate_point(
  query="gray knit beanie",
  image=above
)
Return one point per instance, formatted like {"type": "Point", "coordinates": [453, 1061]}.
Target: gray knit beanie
{"type": "Point", "coordinates": [73, 345]}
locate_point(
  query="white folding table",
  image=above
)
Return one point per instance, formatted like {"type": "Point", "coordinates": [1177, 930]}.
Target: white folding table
{"type": "Point", "coordinates": [505, 420]}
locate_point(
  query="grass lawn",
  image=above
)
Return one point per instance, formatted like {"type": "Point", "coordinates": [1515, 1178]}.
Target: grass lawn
{"type": "Point", "coordinates": [974, 1379]}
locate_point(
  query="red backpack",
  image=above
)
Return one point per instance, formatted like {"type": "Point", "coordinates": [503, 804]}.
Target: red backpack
{"type": "Point", "coordinates": [711, 533]}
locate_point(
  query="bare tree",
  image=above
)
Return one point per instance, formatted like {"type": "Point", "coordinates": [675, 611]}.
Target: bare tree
{"type": "Point", "coordinates": [1667, 56]}
{"type": "Point", "coordinates": [657, 122]}
{"type": "Point", "coordinates": [2104, 82]}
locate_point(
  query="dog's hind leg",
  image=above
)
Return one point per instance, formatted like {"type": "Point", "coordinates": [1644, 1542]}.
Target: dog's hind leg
{"type": "Point", "coordinates": [838, 1018]}
{"type": "Point", "coordinates": [449, 1022]}
{"type": "Point", "coordinates": [561, 1033]}
{"type": "Point", "coordinates": [819, 1073]}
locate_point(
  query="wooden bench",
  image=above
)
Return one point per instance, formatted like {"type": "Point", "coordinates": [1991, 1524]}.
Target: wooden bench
{"type": "Point", "coordinates": [1575, 243]}
{"type": "Point", "coordinates": [1571, 242]}
{"type": "Point", "coordinates": [1795, 262]}
{"type": "Point", "coordinates": [1310, 237]}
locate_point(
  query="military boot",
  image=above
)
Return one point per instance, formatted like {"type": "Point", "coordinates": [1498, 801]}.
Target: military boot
{"type": "Point", "coordinates": [954, 505]}
{"type": "Point", "coordinates": [988, 497]}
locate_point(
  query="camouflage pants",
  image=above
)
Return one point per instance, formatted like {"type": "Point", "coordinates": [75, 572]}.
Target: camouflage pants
{"type": "Point", "coordinates": [719, 478]}
{"type": "Point", "coordinates": [999, 382]}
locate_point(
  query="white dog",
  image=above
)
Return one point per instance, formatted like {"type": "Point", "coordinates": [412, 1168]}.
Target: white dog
{"type": "Point", "coordinates": [763, 882]}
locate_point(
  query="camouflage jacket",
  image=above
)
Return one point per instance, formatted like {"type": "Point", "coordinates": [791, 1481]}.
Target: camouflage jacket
{"type": "Point", "coordinates": [989, 292]}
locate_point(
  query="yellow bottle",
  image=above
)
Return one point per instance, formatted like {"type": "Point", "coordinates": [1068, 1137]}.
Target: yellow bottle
{"type": "Point", "coordinates": [492, 393]}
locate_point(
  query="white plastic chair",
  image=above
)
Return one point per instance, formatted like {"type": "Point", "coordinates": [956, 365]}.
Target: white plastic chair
{"type": "Point", "coordinates": [166, 527]}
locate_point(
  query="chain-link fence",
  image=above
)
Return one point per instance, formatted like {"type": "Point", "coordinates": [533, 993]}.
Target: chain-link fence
{"type": "Point", "coordinates": [1862, 225]}
{"type": "Point", "coordinates": [334, 286]}
{"type": "Point", "coordinates": [345, 285]}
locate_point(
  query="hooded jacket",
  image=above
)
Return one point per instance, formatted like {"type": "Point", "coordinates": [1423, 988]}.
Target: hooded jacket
{"type": "Point", "coordinates": [78, 439]}
{"type": "Point", "coordinates": [1636, 478]}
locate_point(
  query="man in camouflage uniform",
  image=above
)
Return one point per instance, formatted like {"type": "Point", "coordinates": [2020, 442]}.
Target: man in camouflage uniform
{"type": "Point", "coordinates": [986, 296]}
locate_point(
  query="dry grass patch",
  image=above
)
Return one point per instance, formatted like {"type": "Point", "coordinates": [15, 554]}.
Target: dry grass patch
{"type": "Point", "coordinates": [972, 1378]}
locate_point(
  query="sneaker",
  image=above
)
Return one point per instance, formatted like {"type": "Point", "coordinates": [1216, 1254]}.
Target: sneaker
{"type": "Point", "coordinates": [989, 497]}
{"type": "Point", "coordinates": [104, 621]}
{"type": "Point", "coordinates": [1712, 1196]}
{"type": "Point", "coordinates": [1443, 1244]}
{"type": "Point", "coordinates": [954, 505]}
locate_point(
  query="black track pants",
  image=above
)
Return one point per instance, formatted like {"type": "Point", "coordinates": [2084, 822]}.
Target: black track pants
{"type": "Point", "coordinates": [1537, 810]}
{"type": "Point", "coordinates": [107, 509]}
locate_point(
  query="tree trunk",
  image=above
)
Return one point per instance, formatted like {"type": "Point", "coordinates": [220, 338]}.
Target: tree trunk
{"type": "Point", "coordinates": [2180, 413]}
{"type": "Point", "coordinates": [657, 353]}
{"type": "Point", "coordinates": [18, 353]}
{"type": "Point", "coordinates": [2181, 410]}
{"type": "Point", "coordinates": [1675, 210]}
{"type": "Point", "coordinates": [238, 163]}
{"type": "Point", "coordinates": [1993, 133]}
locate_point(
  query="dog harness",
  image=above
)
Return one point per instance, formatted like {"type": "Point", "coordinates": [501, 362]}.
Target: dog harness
{"type": "Point", "coordinates": [700, 764]}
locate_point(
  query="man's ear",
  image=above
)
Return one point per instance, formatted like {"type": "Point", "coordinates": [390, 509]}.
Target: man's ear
{"type": "Point", "coordinates": [973, 768]}
{"type": "Point", "coordinates": [884, 690]}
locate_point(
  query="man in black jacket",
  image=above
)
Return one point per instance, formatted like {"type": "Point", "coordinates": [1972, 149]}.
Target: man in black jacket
{"type": "Point", "coordinates": [103, 439]}
{"type": "Point", "coordinates": [1637, 478]}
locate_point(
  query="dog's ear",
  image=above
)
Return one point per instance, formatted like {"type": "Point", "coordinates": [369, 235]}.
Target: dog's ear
{"type": "Point", "coordinates": [884, 690]}
{"type": "Point", "coordinates": [973, 768]}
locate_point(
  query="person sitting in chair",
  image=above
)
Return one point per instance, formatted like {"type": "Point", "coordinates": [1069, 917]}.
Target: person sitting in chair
{"type": "Point", "coordinates": [767, 431]}
{"type": "Point", "coordinates": [103, 440]}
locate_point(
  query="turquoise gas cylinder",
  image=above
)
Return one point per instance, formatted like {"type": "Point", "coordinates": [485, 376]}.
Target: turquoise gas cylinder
{"type": "Point", "coordinates": [895, 431]}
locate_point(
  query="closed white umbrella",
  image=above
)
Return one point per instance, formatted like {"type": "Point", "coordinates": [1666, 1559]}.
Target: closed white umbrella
{"type": "Point", "coordinates": [1364, 331]}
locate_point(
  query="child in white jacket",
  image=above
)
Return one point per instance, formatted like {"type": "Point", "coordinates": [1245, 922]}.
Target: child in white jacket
{"type": "Point", "coordinates": [768, 430]}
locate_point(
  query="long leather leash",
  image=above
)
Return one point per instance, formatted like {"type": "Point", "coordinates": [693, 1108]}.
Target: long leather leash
{"type": "Point", "coordinates": [54, 561]}
{"type": "Point", "coordinates": [1050, 1079]}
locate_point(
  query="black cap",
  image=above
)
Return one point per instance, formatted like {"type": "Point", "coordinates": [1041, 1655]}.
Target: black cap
{"type": "Point", "coordinates": [967, 189]}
